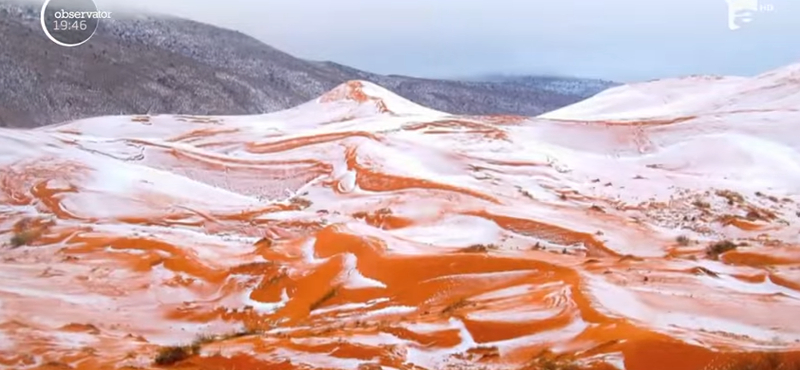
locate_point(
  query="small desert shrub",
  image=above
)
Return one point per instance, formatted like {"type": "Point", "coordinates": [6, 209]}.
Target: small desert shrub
{"type": "Point", "coordinates": [699, 270]}
{"type": "Point", "coordinates": [479, 248]}
{"type": "Point", "coordinates": [759, 214]}
{"type": "Point", "coordinates": [328, 296]}
{"type": "Point", "coordinates": [630, 257]}
{"type": "Point", "coordinates": [683, 240]}
{"type": "Point", "coordinates": [56, 365]}
{"type": "Point", "coordinates": [753, 215]}
{"type": "Point", "coordinates": [241, 333]}
{"type": "Point", "coordinates": [597, 208]}
{"type": "Point", "coordinates": [548, 361]}
{"type": "Point", "coordinates": [732, 196]}
{"type": "Point", "coordinates": [461, 303]}
{"type": "Point", "coordinates": [202, 339]}
{"type": "Point", "coordinates": [265, 241]}
{"type": "Point", "coordinates": [718, 248]}
{"type": "Point", "coordinates": [174, 354]}
{"type": "Point", "coordinates": [525, 193]}
{"type": "Point", "coordinates": [300, 202]}
{"type": "Point", "coordinates": [369, 366]}
{"type": "Point", "coordinates": [22, 238]}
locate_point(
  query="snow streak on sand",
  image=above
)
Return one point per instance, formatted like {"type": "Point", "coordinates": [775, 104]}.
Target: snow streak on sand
{"type": "Point", "coordinates": [361, 231]}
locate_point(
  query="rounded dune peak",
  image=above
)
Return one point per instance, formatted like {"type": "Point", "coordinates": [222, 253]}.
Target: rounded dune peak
{"type": "Point", "coordinates": [365, 92]}
{"type": "Point", "coordinates": [351, 90]}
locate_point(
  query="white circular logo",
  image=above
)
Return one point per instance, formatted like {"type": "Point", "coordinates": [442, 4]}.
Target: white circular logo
{"type": "Point", "coordinates": [70, 22]}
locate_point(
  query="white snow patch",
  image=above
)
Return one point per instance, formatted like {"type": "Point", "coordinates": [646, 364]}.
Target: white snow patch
{"type": "Point", "coordinates": [426, 328]}
{"type": "Point", "coordinates": [514, 291]}
{"type": "Point", "coordinates": [264, 307]}
{"type": "Point", "coordinates": [430, 359]}
{"type": "Point", "coordinates": [620, 301]}
{"type": "Point", "coordinates": [455, 231]}
{"type": "Point", "coordinates": [551, 336]}
{"type": "Point", "coordinates": [513, 315]}
{"type": "Point", "coordinates": [379, 339]}
{"type": "Point", "coordinates": [392, 310]}
{"type": "Point", "coordinates": [353, 279]}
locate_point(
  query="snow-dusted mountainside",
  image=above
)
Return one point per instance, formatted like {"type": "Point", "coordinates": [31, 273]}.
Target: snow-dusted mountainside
{"type": "Point", "coordinates": [563, 85]}
{"type": "Point", "coordinates": [361, 231]}
{"type": "Point", "coordinates": [156, 64]}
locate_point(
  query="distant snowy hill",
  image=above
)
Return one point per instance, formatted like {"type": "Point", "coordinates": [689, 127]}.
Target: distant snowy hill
{"type": "Point", "coordinates": [777, 90]}
{"type": "Point", "coordinates": [561, 85]}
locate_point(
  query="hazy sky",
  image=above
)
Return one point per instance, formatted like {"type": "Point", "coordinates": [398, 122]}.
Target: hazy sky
{"type": "Point", "coordinates": [624, 40]}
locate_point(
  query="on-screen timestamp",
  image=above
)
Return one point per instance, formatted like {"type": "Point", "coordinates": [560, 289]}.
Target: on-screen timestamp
{"type": "Point", "coordinates": [70, 26]}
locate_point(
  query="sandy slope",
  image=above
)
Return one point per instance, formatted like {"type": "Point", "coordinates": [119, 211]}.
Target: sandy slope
{"type": "Point", "coordinates": [362, 231]}
{"type": "Point", "coordinates": [691, 96]}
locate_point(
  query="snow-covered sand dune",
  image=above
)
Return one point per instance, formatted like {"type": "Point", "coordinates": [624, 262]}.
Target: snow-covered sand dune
{"type": "Point", "coordinates": [362, 231]}
{"type": "Point", "coordinates": [690, 96]}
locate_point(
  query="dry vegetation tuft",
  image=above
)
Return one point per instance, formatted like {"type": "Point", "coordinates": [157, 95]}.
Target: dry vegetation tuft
{"type": "Point", "coordinates": [597, 208]}
{"type": "Point", "coordinates": [22, 238]}
{"type": "Point", "coordinates": [300, 202]}
{"type": "Point", "coordinates": [384, 212]}
{"type": "Point", "coordinates": [525, 193]}
{"type": "Point", "coordinates": [328, 296]}
{"type": "Point", "coordinates": [754, 214]}
{"type": "Point", "coordinates": [546, 360]}
{"type": "Point", "coordinates": [719, 248]}
{"type": "Point", "coordinates": [26, 231]}
{"type": "Point", "coordinates": [369, 366]}
{"type": "Point", "coordinates": [479, 248]}
{"type": "Point", "coordinates": [461, 303]}
{"type": "Point", "coordinates": [171, 355]}
{"type": "Point", "coordinates": [700, 270]}
{"type": "Point", "coordinates": [732, 196]}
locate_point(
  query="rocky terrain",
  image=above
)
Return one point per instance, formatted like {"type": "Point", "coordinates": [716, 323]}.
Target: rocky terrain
{"type": "Point", "coordinates": [145, 64]}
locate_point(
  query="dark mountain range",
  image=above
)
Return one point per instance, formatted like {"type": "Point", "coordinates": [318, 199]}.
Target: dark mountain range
{"type": "Point", "coordinates": [158, 64]}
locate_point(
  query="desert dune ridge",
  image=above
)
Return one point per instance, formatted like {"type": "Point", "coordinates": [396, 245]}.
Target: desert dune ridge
{"type": "Point", "coordinates": [643, 228]}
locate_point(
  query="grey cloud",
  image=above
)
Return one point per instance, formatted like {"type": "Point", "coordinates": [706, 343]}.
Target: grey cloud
{"type": "Point", "coordinates": [617, 39]}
